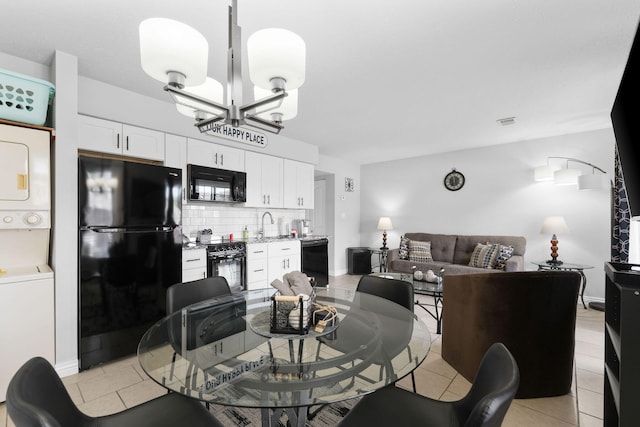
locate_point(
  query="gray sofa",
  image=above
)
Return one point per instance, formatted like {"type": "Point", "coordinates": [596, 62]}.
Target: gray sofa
{"type": "Point", "coordinates": [453, 252]}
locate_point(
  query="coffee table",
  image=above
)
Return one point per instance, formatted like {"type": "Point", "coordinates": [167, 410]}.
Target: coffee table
{"type": "Point", "coordinates": [422, 287]}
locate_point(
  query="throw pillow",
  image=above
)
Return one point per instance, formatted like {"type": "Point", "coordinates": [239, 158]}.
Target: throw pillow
{"type": "Point", "coordinates": [504, 254]}
{"type": "Point", "coordinates": [484, 256]}
{"type": "Point", "coordinates": [403, 253]}
{"type": "Point", "coordinates": [420, 251]}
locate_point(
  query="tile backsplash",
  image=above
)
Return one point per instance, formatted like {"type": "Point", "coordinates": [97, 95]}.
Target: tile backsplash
{"type": "Point", "coordinates": [224, 220]}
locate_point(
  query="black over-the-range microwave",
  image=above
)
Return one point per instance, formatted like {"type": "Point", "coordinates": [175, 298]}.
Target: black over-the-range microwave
{"type": "Point", "coordinates": [216, 185]}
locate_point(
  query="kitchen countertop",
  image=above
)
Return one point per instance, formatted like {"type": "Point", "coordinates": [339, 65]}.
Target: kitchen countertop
{"type": "Point", "coordinates": [268, 239]}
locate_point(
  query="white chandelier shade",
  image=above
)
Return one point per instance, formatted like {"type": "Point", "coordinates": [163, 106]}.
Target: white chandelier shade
{"type": "Point", "coordinates": [276, 53]}
{"type": "Point", "coordinates": [287, 110]}
{"type": "Point", "coordinates": [168, 46]}
{"type": "Point", "coordinates": [211, 89]}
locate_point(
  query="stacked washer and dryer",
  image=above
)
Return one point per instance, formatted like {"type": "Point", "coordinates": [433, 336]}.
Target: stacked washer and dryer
{"type": "Point", "coordinates": [26, 280]}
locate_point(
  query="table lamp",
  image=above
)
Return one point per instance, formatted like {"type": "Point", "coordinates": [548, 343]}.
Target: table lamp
{"type": "Point", "coordinates": [384, 224]}
{"type": "Point", "coordinates": [554, 225]}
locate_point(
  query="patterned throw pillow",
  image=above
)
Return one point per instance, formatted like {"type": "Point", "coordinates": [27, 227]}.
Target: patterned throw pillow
{"type": "Point", "coordinates": [504, 254]}
{"type": "Point", "coordinates": [420, 251]}
{"type": "Point", "coordinates": [403, 253]}
{"type": "Point", "coordinates": [484, 256]}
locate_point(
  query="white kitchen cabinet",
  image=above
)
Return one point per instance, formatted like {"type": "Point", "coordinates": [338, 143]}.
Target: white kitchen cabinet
{"type": "Point", "coordinates": [194, 264]}
{"type": "Point", "coordinates": [175, 156]}
{"type": "Point", "coordinates": [206, 153]}
{"type": "Point", "coordinates": [284, 257]}
{"type": "Point", "coordinates": [257, 256]}
{"type": "Point", "coordinates": [264, 180]}
{"type": "Point", "coordinates": [298, 185]}
{"type": "Point", "coordinates": [105, 136]}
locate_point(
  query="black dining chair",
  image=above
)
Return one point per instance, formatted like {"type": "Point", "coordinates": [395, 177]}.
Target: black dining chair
{"type": "Point", "coordinates": [486, 404]}
{"type": "Point", "coordinates": [398, 291]}
{"type": "Point", "coordinates": [36, 397]}
{"type": "Point", "coordinates": [181, 295]}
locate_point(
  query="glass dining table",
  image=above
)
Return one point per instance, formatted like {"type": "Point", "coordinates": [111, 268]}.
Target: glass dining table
{"type": "Point", "coordinates": [222, 351]}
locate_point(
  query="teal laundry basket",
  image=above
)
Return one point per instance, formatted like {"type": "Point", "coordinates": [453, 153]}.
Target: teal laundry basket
{"type": "Point", "coordinates": [24, 99]}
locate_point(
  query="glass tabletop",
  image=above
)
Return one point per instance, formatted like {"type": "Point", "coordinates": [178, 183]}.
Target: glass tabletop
{"type": "Point", "coordinates": [212, 351]}
{"type": "Point", "coordinates": [561, 266]}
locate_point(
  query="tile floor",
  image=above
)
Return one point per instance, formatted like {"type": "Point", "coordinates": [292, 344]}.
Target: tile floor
{"type": "Point", "coordinates": [117, 385]}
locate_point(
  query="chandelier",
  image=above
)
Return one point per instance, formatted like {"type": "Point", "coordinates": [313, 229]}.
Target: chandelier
{"type": "Point", "coordinates": [177, 55]}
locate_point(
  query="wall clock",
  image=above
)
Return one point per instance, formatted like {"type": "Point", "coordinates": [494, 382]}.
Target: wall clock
{"type": "Point", "coordinates": [454, 180]}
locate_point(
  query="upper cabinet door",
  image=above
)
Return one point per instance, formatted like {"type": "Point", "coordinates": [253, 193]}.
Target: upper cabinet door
{"type": "Point", "coordinates": [99, 135]}
{"type": "Point", "coordinates": [264, 180]}
{"type": "Point", "coordinates": [143, 143]}
{"type": "Point", "coordinates": [109, 137]}
{"type": "Point", "coordinates": [206, 153]}
{"type": "Point", "coordinates": [298, 185]}
{"type": "Point", "coordinates": [175, 156]}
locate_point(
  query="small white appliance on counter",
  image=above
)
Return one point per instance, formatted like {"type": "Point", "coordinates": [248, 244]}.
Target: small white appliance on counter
{"type": "Point", "coordinates": [26, 281]}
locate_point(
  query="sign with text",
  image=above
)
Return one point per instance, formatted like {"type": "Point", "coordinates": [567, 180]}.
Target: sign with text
{"type": "Point", "coordinates": [251, 137]}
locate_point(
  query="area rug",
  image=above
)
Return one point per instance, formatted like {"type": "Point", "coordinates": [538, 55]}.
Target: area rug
{"type": "Point", "coordinates": [330, 415]}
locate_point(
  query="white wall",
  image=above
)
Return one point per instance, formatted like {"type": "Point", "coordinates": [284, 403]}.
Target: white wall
{"type": "Point", "coordinates": [499, 197]}
{"type": "Point", "coordinates": [344, 232]}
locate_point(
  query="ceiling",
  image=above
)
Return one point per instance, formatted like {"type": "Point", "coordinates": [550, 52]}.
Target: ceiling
{"type": "Point", "coordinates": [385, 79]}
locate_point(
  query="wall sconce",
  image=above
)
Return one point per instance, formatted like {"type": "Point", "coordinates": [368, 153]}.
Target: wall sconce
{"type": "Point", "coordinates": [571, 176]}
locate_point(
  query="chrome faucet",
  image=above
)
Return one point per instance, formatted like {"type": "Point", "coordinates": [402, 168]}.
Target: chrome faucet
{"type": "Point", "coordinates": [261, 234]}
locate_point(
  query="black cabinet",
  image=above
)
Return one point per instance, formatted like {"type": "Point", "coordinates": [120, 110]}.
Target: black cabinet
{"type": "Point", "coordinates": [359, 260]}
{"type": "Point", "coordinates": [622, 346]}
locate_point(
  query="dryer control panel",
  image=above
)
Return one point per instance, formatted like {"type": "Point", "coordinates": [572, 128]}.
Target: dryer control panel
{"type": "Point", "coordinates": [12, 220]}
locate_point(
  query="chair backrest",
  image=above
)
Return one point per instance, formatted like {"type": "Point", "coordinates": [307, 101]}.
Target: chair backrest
{"type": "Point", "coordinates": [492, 391]}
{"type": "Point", "coordinates": [36, 397]}
{"type": "Point", "coordinates": [181, 295]}
{"type": "Point", "coordinates": [398, 291]}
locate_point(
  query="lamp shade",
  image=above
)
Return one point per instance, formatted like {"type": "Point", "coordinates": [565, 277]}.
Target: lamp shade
{"type": "Point", "coordinates": [566, 176]}
{"type": "Point", "coordinates": [273, 53]}
{"type": "Point", "coordinates": [171, 46]}
{"type": "Point", "coordinates": [211, 89]}
{"type": "Point", "coordinates": [544, 173]}
{"type": "Point", "coordinates": [554, 225]}
{"type": "Point", "coordinates": [591, 182]}
{"type": "Point", "coordinates": [288, 108]}
{"type": "Point", "coordinates": [384, 223]}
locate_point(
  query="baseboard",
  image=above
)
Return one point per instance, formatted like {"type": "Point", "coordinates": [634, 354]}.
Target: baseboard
{"type": "Point", "coordinates": [64, 369]}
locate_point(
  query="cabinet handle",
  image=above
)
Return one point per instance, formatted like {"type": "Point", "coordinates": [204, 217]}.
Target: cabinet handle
{"type": "Point", "coordinates": [287, 262]}
{"type": "Point", "coordinates": [264, 199]}
{"type": "Point", "coordinates": [191, 260]}
{"type": "Point", "coordinates": [255, 271]}
{"type": "Point", "coordinates": [184, 195]}
{"type": "Point", "coordinates": [204, 275]}
{"type": "Point", "coordinates": [222, 159]}
{"type": "Point", "coordinates": [215, 161]}
{"type": "Point", "coordinates": [269, 199]}
{"type": "Point", "coordinates": [258, 252]}
{"type": "Point", "coordinates": [285, 249]}
{"type": "Point", "coordinates": [127, 143]}
{"type": "Point", "coordinates": [284, 263]}
{"type": "Point", "coordinates": [118, 141]}
{"type": "Point", "coordinates": [302, 201]}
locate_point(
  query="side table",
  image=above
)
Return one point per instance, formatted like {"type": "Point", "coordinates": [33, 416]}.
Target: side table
{"type": "Point", "coordinates": [543, 265]}
{"type": "Point", "coordinates": [382, 258]}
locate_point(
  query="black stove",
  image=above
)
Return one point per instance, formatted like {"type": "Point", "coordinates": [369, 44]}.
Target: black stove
{"type": "Point", "coordinates": [228, 259]}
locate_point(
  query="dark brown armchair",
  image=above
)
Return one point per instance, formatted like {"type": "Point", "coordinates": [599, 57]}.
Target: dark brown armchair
{"type": "Point", "coordinates": [532, 313]}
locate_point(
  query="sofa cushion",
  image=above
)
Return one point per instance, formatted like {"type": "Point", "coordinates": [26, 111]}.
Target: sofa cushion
{"type": "Point", "coordinates": [504, 254]}
{"type": "Point", "coordinates": [484, 255]}
{"type": "Point", "coordinates": [403, 253]}
{"type": "Point", "coordinates": [466, 244]}
{"type": "Point", "coordinates": [420, 251]}
{"type": "Point", "coordinates": [443, 246]}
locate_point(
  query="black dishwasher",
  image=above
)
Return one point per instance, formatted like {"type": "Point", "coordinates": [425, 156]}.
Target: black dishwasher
{"type": "Point", "coordinates": [315, 260]}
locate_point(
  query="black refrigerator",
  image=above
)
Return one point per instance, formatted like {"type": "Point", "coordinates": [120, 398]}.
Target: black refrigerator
{"type": "Point", "coordinates": [129, 252]}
